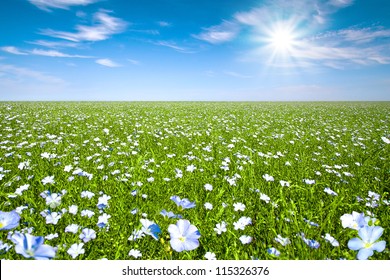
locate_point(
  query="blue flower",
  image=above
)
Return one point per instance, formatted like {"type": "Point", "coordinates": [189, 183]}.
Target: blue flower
{"type": "Point", "coordinates": [272, 251]}
{"type": "Point", "coordinates": [354, 221]}
{"type": "Point", "coordinates": [184, 236]}
{"type": "Point", "coordinates": [9, 220]}
{"type": "Point", "coordinates": [367, 244]}
{"type": "Point", "coordinates": [183, 203]}
{"type": "Point", "coordinates": [150, 228]}
{"type": "Point", "coordinates": [32, 247]}
{"type": "Point", "coordinates": [87, 234]}
{"type": "Point", "coordinates": [170, 214]}
{"type": "Point", "coordinates": [310, 242]}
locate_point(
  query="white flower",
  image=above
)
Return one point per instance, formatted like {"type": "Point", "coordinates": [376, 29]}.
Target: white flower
{"type": "Point", "coordinates": [76, 249]}
{"type": "Point", "coordinates": [242, 223]}
{"type": "Point", "coordinates": [309, 182]}
{"type": "Point", "coordinates": [210, 256]}
{"type": "Point", "coordinates": [53, 218]}
{"type": "Point", "coordinates": [284, 183]}
{"type": "Point", "coordinates": [73, 228]}
{"type": "Point", "coordinates": [208, 206]}
{"type": "Point", "coordinates": [20, 209]}
{"type": "Point", "coordinates": [135, 253]}
{"type": "Point", "coordinates": [191, 168]}
{"type": "Point", "coordinates": [103, 220]}
{"type": "Point", "coordinates": [24, 165]}
{"type": "Point", "coordinates": [245, 239]}
{"type": "Point", "coordinates": [239, 206]}
{"type": "Point", "coordinates": [150, 179]}
{"type": "Point", "coordinates": [73, 209]}
{"type": "Point", "coordinates": [208, 187]}
{"type": "Point", "coordinates": [268, 178]}
{"type": "Point", "coordinates": [51, 236]}
{"type": "Point", "coordinates": [264, 197]}
{"type": "Point", "coordinates": [329, 191]}
{"type": "Point", "coordinates": [282, 240]}
{"type": "Point", "coordinates": [87, 234]}
{"type": "Point", "coordinates": [53, 200]}
{"type": "Point", "coordinates": [219, 228]}
{"type": "Point", "coordinates": [386, 140]}
{"type": "Point", "coordinates": [87, 213]}
{"type": "Point", "coordinates": [331, 240]}
{"type": "Point", "coordinates": [68, 168]}
{"type": "Point", "coordinates": [48, 180]}
{"type": "Point", "coordinates": [87, 194]}
{"type": "Point", "coordinates": [136, 234]}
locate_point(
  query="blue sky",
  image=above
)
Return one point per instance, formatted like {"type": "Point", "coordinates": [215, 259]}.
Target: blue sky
{"type": "Point", "coordinates": [249, 50]}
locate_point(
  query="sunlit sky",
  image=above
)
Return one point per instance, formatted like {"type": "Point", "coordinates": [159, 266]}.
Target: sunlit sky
{"type": "Point", "coordinates": [212, 50]}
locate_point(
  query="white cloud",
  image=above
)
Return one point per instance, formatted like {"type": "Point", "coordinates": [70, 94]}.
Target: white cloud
{"type": "Point", "coordinates": [133, 61]}
{"type": "Point", "coordinates": [55, 44]}
{"type": "Point", "coordinates": [13, 50]}
{"type": "Point", "coordinates": [54, 53]}
{"type": "Point", "coordinates": [171, 45]}
{"type": "Point", "coordinates": [106, 26]}
{"type": "Point", "coordinates": [224, 32]}
{"type": "Point", "coordinates": [362, 35]}
{"type": "Point", "coordinates": [164, 23]}
{"type": "Point", "coordinates": [237, 75]}
{"type": "Point", "coordinates": [23, 73]}
{"type": "Point", "coordinates": [107, 62]}
{"type": "Point", "coordinates": [60, 4]}
{"type": "Point", "coordinates": [51, 53]}
{"type": "Point", "coordinates": [341, 3]}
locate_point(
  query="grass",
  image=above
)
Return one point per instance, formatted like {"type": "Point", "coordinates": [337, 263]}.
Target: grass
{"type": "Point", "coordinates": [231, 145]}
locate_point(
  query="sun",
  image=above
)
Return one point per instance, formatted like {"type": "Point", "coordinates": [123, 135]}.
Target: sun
{"type": "Point", "coordinates": [282, 38]}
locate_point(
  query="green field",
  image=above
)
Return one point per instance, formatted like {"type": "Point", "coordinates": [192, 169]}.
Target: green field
{"type": "Point", "coordinates": [140, 154]}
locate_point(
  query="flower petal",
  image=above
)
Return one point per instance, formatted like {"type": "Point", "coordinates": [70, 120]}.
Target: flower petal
{"type": "Point", "coordinates": [376, 234]}
{"type": "Point", "coordinates": [365, 233]}
{"type": "Point", "coordinates": [379, 246]}
{"type": "Point", "coordinates": [174, 231]}
{"type": "Point", "coordinates": [191, 244]}
{"type": "Point", "coordinates": [177, 245]}
{"type": "Point", "coordinates": [364, 254]}
{"type": "Point", "coordinates": [183, 226]}
{"type": "Point", "coordinates": [44, 252]}
{"type": "Point", "coordinates": [355, 244]}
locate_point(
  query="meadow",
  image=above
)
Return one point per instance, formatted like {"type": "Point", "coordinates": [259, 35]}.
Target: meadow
{"type": "Point", "coordinates": [195, 180]}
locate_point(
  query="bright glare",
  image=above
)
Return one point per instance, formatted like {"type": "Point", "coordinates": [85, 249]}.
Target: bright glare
{"type": "Point", "coordinates": [282, 37]}
{"type": "Point", "coordinates": [282, 40]}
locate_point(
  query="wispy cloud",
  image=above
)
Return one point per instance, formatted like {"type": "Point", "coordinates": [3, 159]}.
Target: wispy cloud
{"type": "Point", "coordinates": [146, 31]}
{"type": "Point", "coordinates": [336, 49]}
{"type": "Point", "coordinates": [337, 56]}
{"type": "Point", "coordinates": [13, 50]}
{"type": "Point", "coordinates": [107, 62]}
{"type": "Point", "coordinates": [50, 53]}
{"type": "Point", "coordinates": [341, 3]}
{"type": "Point", "coordinates": [106, 26]}
{"type": "Point", "coordinates": [55, 44]}
{"type": "Point", "coordinates": [172, 45]}
{"type": "Point", "coordinates": [224, 32]}
{"type": "Point", "coordinates": [54, 53]}
{"type": "Point", "coordinates": [60, 4]}
{"type": "Point", "coordinates": [358, 35]}
{"type": "Point", "coordinates": [237, 75]}
{"type": "Point", "coordinates": [164, 23]}
{"type": "Point", "coordinates": [133, 61]}
{"type": "Point", "coordinates": [23, 73]}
